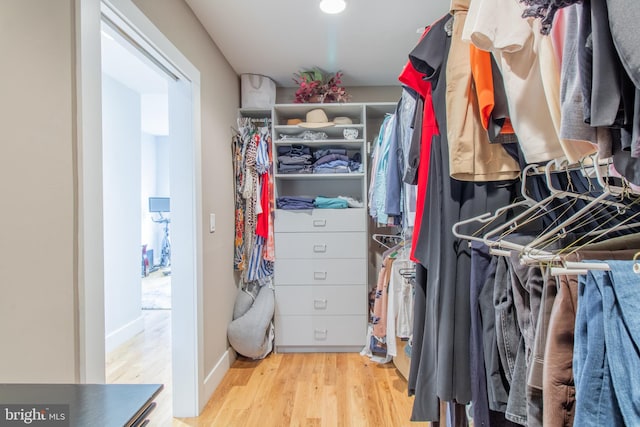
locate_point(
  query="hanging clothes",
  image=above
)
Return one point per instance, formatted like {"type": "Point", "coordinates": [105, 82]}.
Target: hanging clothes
{"type": "Point", "coordinates": [484, 324]}
{"type": "Point", "coordinates": [418, 155]}
{"type": "Point", "coordinates": [254, 251]}
{"type": "Point", "coordinates": [239, 149]}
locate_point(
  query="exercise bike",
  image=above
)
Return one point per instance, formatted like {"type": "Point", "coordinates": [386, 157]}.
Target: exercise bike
{"type": "Point", "coordinates": [165, 251]}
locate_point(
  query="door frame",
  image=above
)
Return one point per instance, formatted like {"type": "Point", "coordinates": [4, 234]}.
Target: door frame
{"type": "Point", "coordinates": [187, 311]}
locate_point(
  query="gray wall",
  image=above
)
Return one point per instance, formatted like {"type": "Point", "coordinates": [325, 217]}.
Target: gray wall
{"type": "Point", "coordinates": [38, 307]}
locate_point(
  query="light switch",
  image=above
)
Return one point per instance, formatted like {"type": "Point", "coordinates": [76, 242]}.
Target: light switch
{"type": "Point", "coordinates": [212, 223]}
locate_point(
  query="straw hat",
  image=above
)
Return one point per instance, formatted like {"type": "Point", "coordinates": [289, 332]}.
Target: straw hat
{"type": "Point", "coordinates": [316, 119]}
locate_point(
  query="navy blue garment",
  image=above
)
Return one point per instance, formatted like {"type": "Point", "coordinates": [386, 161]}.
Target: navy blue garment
{"type": "Point", "coordinates": [294, 203]}
{"type": "Point", "coordinates": [481, 269]}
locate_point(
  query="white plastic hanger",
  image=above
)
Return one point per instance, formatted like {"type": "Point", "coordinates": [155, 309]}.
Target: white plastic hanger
{"type": "Point", "coordinates": [382, 239]}
{"type": "Point", "coordinates": [594, 235]}
{"type": "Point", "coordinates": [487, 218]}
{"type": "Point", "coordinates": [588, 210]}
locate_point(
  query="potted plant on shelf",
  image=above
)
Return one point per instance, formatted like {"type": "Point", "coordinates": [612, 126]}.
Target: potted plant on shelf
{"type": "Point", "coordinates": [317, 86]}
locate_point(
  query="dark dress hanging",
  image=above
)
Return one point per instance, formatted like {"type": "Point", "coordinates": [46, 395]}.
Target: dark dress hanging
{"type": "Point", "coordinates": [440, 353]}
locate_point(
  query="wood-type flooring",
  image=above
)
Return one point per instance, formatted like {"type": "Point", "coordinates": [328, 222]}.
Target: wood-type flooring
{"type": "Point", "coordinates": [284, 389]}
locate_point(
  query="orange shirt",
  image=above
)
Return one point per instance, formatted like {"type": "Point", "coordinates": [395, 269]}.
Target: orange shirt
{"type": "Point", "coordinates": [483, 80]}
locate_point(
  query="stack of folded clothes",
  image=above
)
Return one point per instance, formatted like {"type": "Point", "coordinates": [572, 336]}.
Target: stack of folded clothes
{"type": "Point", "coordinates": [320, 202]}
{"type": "Point", "coordinates": [330, 203]}
{"type": "Point", "coordinates": [297, 158]}
{"type": "Point", "coordinates": [294, 203]}
{"type": "Point", "coordinates": [294, 159]}
{"type": "Point", "coordinates": [331, 160]}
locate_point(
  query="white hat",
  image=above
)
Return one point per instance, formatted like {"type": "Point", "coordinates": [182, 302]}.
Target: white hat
{"type": "Point", "coordinates": [316, 119]}
{"type": "Point", "coordinates": [342, 120]}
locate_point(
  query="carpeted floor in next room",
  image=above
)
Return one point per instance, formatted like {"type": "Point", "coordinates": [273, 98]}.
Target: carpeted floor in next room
{"type": "Point", "coordinates": [156, 291]}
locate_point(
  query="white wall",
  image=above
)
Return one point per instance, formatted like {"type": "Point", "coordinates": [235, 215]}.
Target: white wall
{"type": "Point", "coordinates": [155, 113]}
{"type": "Point", "coordinates": [38, 303]}
{"type": "Point", "coordinates": [122, 157]}
{"type": "Point", "coordinates": [162, 160]}
{"type": "Point", "coordinates": [148, 189]}
{"type": "Point", "coordinates": [155, 183]}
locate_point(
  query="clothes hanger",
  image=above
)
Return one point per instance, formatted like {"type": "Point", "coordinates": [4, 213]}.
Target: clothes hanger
{"type": "Point", "coordinates": [588, 209]}
{"type": "Point", "coordinates": [564, 193]}
{"type": "Point", "coordinates": [382, 239]}
{"type": "Point", "coordinates": [497, 236]}
{"type": "Point", "coordinates": [487, 218]}
{"type": "Point", "coordinates": [636, 265]}
{"type": "Point", "coordinates": [596, 235]}
{"type": "Point", "coordinates": [393, 251]}
{"type": "Point", "coordinates": [536, 208]}
{"type": "Point", "coordinates": [593, 235]}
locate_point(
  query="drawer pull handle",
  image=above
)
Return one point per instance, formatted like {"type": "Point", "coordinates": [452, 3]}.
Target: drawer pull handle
{"type": "Point", "coordinates": [320, 275]}
{"type": "Point", "coordinates": [320, 304]}
{"type": "Point", "coordinates": [319, 222]}
{"type": "Point", "coordinates": [320, 334]}
{"type": "Point", "coordinates": [319, 248]}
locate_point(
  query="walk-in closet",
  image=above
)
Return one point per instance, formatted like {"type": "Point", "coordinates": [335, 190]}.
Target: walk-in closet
{"type": "Point", "coordinates": [415, 213]}
{"type": "Point", "coordinates": [479, 238]}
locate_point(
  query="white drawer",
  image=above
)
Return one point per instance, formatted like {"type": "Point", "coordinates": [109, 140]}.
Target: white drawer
{"type": "Point", "coordinates": [320, 330]}
{"type": "Point", "coordinates": [320, 220]}
{"type": "Point", "coordinates": [347, 271]}
{"type": "Point", "coordinates": [321, 300]}
{"type": "Point", "coordinates": [320, 245]}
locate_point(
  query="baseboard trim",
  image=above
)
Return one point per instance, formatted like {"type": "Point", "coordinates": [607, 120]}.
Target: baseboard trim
{"type": "Point", "coordinates": [214, 377]}
{"type": "Point", "coordinates": [124, 333]}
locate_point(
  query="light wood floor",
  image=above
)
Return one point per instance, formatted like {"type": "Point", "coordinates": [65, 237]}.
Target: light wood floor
{"type": "Point", "coordinates": [313, 389]}
{"type": "Point", "coordinates": [146, 359]}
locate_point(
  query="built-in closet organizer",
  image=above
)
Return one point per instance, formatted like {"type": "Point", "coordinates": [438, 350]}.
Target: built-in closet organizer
{"type": "Point", "coordinates": [321, 254]}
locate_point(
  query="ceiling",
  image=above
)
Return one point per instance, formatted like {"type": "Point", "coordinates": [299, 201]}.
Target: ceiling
{"type": "Point", "coordinates": [368, 42]}
{"type": "Point", "coordinates": [122, 62]}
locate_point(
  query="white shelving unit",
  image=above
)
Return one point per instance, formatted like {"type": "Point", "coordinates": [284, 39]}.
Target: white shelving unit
{"type": "Point", "coordinates": [322, 255]}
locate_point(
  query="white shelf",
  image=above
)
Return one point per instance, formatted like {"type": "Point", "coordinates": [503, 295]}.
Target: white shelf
{"type": "Point", "coordinates": [314, 142]}
{"type": "Point", "coordinates": [333, 132]}
{"type": "Point", "coordinates": [291, 111]}
{"type": "Point", "coordinates": [256, 113]}
{"type": "Point", "coordinates": [319, 176]}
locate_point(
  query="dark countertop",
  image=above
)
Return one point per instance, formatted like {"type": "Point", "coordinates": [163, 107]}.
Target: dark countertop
{"type": "Point", "coordinates": [99, 405]}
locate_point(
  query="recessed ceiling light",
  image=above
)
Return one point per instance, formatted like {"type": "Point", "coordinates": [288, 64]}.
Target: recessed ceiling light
{"type": "Point", "coordinates": [332, 6]}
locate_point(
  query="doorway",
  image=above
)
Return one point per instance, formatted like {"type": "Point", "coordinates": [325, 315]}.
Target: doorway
{"type": "Point", "coordinates": [184, 176]}
{"type": "Point", "coordinates": [136, 208]}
